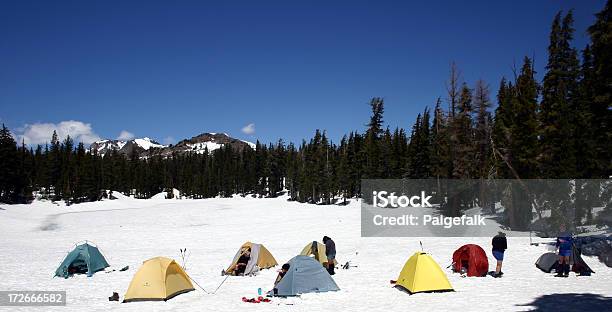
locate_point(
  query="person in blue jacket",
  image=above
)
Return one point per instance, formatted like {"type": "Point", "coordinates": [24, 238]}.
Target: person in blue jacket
{"type": "Point", "coordinates": [564, 243]}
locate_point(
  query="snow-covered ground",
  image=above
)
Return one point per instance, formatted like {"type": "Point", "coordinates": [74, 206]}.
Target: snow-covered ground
{"type": "Point", "coordinates": [36, 237]}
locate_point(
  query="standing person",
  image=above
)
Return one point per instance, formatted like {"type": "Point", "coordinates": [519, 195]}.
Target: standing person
{"type": "Point", "coordinates": [330, 253]}
{"type": "Point", "coordinates": [242, 262]}
{"type": "Point", "coordinates": [564, 243]}
{"type": "Point", "coordinates": [500, 244]}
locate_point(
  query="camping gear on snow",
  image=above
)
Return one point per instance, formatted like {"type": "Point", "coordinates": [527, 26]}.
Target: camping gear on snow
{"type": "Point", "coordinates": [256, 300]}
{"type": "Point", "coordinates": [305, 275]}
{"type": "Point", "coordinates": [84, 259]}
{"type": "Point", "coordinates": [422, 274]}
{"type": "Point", "coordinates": [158, 278]}
{"type": "Point", "coordinates": [125, 268]}
{"type": "Point", "coordinates": [317, 250]}
{"type": "Point", "coordinates": [261, 258]}
{"type": "Point", "coordinates": [578, 265]}
{"type": "Point", "coordinates": [348, 265]}
{"type": "Point", "coordinates": [471, 258]}
{"type": "Point", "coordinates": [114, 297]}
{"type": "Point", "coordinates": [549, 262]}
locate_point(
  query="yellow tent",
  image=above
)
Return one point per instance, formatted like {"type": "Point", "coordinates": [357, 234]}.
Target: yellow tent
{"type": "Point", "coordinates": [158, 278]}
{"type": "Point", "coordinates": [261, 258]}
{"type": "Point", "coordinates": [317, 250]}
{"type": "Point", "coordinates": [422, 274]}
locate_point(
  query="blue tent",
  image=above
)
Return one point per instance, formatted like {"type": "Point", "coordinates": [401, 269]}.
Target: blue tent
{"type": "Point", "coordinates": [305, 275]}
{"type": "Point", "coordinates": [84, 259]}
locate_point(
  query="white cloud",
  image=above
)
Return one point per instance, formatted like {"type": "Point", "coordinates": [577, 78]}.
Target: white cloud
{"type": "Point", "coordinates": [249, 129]}
{"type": "Point", "coordinates": [125, 136]}
{"type": "Point", "coordinates": [169, 140]}
{"type": "Point", "coordinates": [40, 133]}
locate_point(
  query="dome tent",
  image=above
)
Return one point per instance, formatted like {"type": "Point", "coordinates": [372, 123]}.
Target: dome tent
{"type": "Point", "coordinates": [158, 279]}
{"type": "Point", "coordinates": [547, 262]}
{"type": "Point", "coordinates": [83, 259]}
{"type": "Point", "coordinates": [472, 258]}
{"type": "Point", "coordinates": [305, 275]}
{"type": "Point", "coordinates": [261, 258]}
{"type": "Point", "coordinates": [422, 274]}
{"type": "Point", "coordinates": [317, 250]}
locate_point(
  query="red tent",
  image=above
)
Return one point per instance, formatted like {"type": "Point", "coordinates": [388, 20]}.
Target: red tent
{"type": "Point", "coordinates": [471, 257]}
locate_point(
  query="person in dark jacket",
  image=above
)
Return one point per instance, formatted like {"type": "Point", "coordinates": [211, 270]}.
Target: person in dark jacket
{"type": "Point", "coordinates": [330, 253]}
{"type": "Point", "coordinates": [500, 244]}
{"type": "Point", "coordinates": [284, 269]}
{"type": "Point", "coordinates": [564, 243]}
{"type": "Point", "coordinates": [242, 262]}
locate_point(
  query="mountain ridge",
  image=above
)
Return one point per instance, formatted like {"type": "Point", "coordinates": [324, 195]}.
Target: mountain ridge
{"type": "Point", "coordinates": [146, 147]}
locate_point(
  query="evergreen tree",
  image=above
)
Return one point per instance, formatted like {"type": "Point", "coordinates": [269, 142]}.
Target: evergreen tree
{"type": "Point", "coordinates": [523, 126]}
{"type": "Point", "coordinates": [373, 138]}
{"type": "Point", "coordinates": [558, 101]}
{"type": "Point", "coordinates": [55, 167]}
{"type": "Point", "coordinates": [601, 88]}
{"type": "Point", "coordinates": [482, 131]}
{"type": "Point", "coordinates": [419, 148]}
{"type": "Point", "coordinates": [501, 136]}
{"type": "Point", "coordinates": [9, 168]}
{"type": "Point", "coordinates": [587, 164]}
{"type": "Point", "coordinates": [440, 144]}
{"type": "Point", "coordinates": [462, 138]}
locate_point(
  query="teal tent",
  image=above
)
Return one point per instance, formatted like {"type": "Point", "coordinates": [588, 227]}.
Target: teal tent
{"type": "Point", "coordinates": [84, 259]}
{"type": "Point", "coordinates": [305, 275]}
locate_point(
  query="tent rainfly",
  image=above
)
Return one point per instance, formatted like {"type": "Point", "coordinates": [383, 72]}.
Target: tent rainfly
{"type": "Point", "coordinates": [305, 275]}
{"type": "Point", "coordinates": [83, 259]}
{"type": "Point", "coordinates": [316, 250]}
{"type": "Point", "coordinates": [422, 274]}
{"type": "Point", "coordinates": [158, 279]}
{"type": "Point", "coordinates": [261, 258]}
{"type": "Point", "coordinates": [471, 258]}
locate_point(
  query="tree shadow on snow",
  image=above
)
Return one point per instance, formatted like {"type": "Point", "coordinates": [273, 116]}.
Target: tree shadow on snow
{"type": "Point", "coordinates": [571, 302]}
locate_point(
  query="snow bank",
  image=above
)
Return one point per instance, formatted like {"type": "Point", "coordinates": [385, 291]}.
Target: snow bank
{"type": "Point", "coordinates": [163, 195]}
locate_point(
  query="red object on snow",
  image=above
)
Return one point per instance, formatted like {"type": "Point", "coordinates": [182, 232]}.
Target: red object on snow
{"type": "Point", "coordinates": [471, 257]}
{"type": "Point", "coordinates": [256, 300]}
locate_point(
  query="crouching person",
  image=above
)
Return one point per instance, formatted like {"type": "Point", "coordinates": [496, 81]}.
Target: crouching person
{"type": "Point", "coordinates": [242, 262]}
{"type": "Point", "coordinates": [330, 253]}
{"type": "Point", "coordinates": [284, 269]}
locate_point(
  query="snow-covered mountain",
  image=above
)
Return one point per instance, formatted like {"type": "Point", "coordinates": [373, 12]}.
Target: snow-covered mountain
{"type": "Point", "coordinates": [124, 147]}
{"type": "Point", "coordinates": [103, 147]}
{"type": "Point", "coordinates": [146, 147]}
{"type": "Point", "coordinates": [210, 142]}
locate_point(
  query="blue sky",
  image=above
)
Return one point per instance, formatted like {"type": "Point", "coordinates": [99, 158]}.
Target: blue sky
{"type": "Point", "coordinates": [173, 69]}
